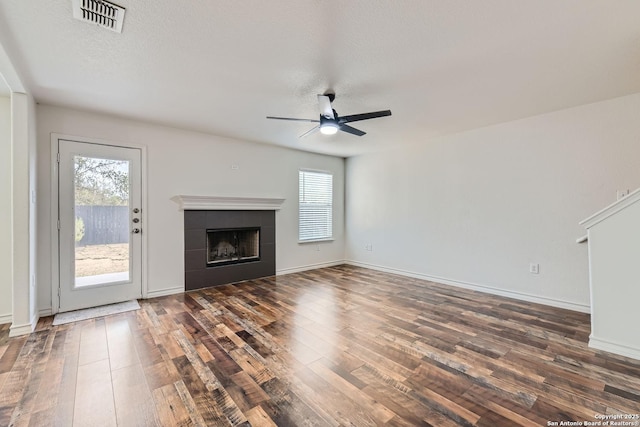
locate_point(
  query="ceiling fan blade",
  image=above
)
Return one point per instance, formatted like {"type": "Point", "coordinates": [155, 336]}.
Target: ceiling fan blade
{"type": "Point", "coordinates": [294, 120]}
{"type": "Point", "coordinates": [310, 131]}
{"type": "Point", "coordinates": [364, 116]}
{"type": "Point", "coordinates": [352, 130]}
{"type": "Point", "coordinates": [325, 107]}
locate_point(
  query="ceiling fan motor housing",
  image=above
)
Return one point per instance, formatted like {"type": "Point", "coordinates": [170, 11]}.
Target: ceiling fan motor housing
{"type": "Point", "coordinates": [327, 120]}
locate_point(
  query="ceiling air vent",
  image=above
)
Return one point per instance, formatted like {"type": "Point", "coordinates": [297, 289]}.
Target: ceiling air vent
{"type": "Point", "coordinates": [100, 12]}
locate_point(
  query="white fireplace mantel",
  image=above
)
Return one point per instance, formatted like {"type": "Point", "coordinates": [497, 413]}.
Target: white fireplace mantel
{"type": "Point", "coordinates": [212, 203]}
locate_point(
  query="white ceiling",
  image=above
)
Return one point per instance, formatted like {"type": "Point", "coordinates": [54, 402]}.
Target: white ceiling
{"type": "Point", "coordinates": [222, 66]}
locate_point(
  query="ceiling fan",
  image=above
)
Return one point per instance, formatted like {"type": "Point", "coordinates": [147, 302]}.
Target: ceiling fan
{"type": "Point", "coordinates": [330, 123]}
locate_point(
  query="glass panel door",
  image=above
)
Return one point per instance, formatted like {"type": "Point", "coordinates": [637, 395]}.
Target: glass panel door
{"type": "Point", "coordinates": [100, 243]}
{"type": "Point", "coordinates": [101, 190]}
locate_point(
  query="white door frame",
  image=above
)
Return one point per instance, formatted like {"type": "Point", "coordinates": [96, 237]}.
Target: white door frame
{"type": "Point", "coordinates": [55, 241]}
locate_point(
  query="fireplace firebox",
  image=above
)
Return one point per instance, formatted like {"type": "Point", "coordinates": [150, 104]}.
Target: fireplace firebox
{"type": "Point", "coordinates": [233, 246]}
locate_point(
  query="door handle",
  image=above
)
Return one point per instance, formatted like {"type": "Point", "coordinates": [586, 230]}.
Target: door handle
{"type": "Point", "coordinates": [136, 230]}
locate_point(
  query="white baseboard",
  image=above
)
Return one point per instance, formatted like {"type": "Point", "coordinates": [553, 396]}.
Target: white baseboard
{"type": "Point", "coordinates": [481, 288]}
{"type": "Point", "coordinates": [45, 312]}
{"type": "Point", "coordinates": [164, 292]}
{"type": "Point", "coordinates": [24, 329]}
{"type": "Point", "coordinates": [6, 318]}
{"type": "Point", "coordinates": [308, 267]}
{"type": "Point", "coordinates": [616, 348]}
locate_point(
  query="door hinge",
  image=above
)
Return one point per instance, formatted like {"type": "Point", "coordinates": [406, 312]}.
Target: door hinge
{"type": "Point", "coordinates": [58, 157]}
{"type": "Point", "coordinates": [58, 224]}
{"type": "Point", "coordinates": [58, 293]}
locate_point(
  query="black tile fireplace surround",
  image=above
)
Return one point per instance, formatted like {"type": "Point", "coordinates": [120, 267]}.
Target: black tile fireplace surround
{"type": "Point", "coordinates": [199, 274]}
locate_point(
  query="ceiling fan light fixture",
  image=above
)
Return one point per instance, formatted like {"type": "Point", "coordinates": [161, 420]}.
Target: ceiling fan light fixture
{"type": "Point", "coordinates": [329, 128]}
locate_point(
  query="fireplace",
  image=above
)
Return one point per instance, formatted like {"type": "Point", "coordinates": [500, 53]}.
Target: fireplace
{"type": "Point", "coordinates": [233, 246]}
{"type": "Point", "coordinates": [227, 246]}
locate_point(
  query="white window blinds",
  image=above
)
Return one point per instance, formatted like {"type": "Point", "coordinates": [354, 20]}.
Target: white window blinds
{"type": "Point", "coordinates": [316, 205]}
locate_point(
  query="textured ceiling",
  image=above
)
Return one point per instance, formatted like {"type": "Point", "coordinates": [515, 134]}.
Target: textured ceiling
{"type": "Point", "coordinates": [222, 66]}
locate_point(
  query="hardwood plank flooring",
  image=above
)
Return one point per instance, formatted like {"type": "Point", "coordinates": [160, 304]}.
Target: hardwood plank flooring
{"type": "Point", "coordinates": [340, 346]}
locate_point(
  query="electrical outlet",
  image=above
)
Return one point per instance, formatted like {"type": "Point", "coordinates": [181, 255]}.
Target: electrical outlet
{"type": "Point", "coordinates": [368, 247]}
{"type": "Point", "coordinates": [235, 167]}
{"type": "Point", "coordinates": [534, 268]}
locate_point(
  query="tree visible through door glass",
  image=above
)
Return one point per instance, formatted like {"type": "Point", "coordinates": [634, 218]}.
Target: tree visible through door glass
{"type": "Point", "coordinates": [101, 220]}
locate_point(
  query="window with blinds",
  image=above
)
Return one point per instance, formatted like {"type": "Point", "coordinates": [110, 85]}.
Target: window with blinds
{"type": "Point", "coordinates": [316, 205]}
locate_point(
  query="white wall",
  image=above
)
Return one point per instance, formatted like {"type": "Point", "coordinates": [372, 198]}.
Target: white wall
{"type": "Point", "coordinates": [33, 218]}
{"type": "Point", "coordinates": [190, 163]}
{"type": "Point", "coordinates": [5, 210]}
{"type": "Point", "coordinates": [18, 204]}
{"type": "Point", "coordinates": [23, 159]}
{"type": "Point", "coordinates": [476, 208]}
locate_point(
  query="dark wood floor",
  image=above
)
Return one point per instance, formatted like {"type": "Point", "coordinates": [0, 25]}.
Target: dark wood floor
{"type": "Point", "coordinates": [336, 346]}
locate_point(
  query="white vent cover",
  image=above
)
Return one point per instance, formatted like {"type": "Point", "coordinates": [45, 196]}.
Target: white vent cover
{"type": "Point", "coordinates": [100, 12]}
